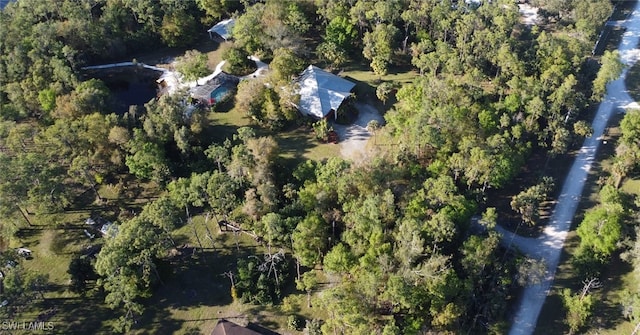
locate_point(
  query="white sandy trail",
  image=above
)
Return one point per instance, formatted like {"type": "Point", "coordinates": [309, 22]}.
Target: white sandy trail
{"type": "Point", "coordinates": [549, 245]}
{"type": "Point", "coordinates": [174, 80]}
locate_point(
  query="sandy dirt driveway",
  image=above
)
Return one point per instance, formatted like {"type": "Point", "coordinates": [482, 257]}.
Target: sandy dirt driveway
{"type": "Point", "coordinates": [549, 245]}
{"type": "Point", "coordinates": [354, 137]}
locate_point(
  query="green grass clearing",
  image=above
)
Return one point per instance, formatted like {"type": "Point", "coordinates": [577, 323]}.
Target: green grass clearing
{"type": "Point", "coordinates": [214, 55]}
{"type": "Point", "coordinates": [194, 296]}
{"type": "Point", "coordinates": [298, 143]}
{"type": "Point", "coordinates": [633, 82]}
{"type": "Point", "coordinates": [197, 294]}
{"type": "Point", "coordinates": [631, 186]}
{"type": "Point", "coordinates": [373, 79]}
{"type": "Point", "coordinates": [54, 240]}
{"type": "Point", "coordinates": [367, 82]}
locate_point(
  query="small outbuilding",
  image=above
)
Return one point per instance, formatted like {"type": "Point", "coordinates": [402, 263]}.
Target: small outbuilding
{"type": "Point", "coordinates": [224, 29]}
{"type": "Point", "coordinates": [322, 92]}
{"type": "Point", "coordinates": [24, 252]}
{"type": "Point", "coordinates": [109, 229]}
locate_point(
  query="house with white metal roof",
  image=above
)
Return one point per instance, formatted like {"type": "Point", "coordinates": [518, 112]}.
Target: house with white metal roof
{"type": "Point", "coordinates": [322, 92]}
{"type": "Point", "coordinates": [224, 29]}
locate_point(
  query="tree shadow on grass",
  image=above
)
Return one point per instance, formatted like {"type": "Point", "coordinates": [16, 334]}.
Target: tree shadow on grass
{"type": "Point", "coordinates": [64, 241]}
{"type": "Point", "coordinates": [556, 324]}
{"type": "Point", "coordinates": [158, 321]}
{"type": "Point", "coordinates": [193, 330]}
{"type": "Point", "coordinates": [81, 315]}
{"type": "Point", "coordinates": [30, 235]}
{"type": "Point", "coordinates": [608, 311]}
{"type": "Point", "coordinates": [260, 316]}
{"type": "Point", "coordinates": [261, 329]}
{"type": "Point", "coordinates": [83, 200]}
{"type": "Point", "coordinates": [296, 142]}
{"type": "Point", "coordinates": [198, 279]}
{"type": "Point", "coordinates": [219, 132]}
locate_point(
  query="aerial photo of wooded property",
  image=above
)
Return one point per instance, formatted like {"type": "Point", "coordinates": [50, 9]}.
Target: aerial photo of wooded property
{"type": "Point", "coordinates": [377, 167]}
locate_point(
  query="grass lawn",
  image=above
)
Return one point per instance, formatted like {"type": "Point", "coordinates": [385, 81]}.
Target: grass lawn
{"type": "Point", "coordinates": [53, 240]}
{"type": "Point", "coordinates": [214, 53]}
{"type": "Point", "coordinates": [194, 295]}
{"type": "Point", "coordinates": [373, 79]}
{"type": "Point", "coordinates": [298, 144]}
{"type": "Point", "coordinates": [633, 82]}
{"type": "Point", "coordinates": [631, 186]}
{"type": "Point", "coordinates": [608, 318]}
{"type": "Point", "coordinates": [197, 293]}
{"type": "Point", "coordinates": [225, 124]}
{"type": "Point", "coordinates": [367, 82]}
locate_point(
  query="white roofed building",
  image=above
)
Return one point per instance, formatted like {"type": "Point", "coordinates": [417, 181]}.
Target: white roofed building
{"type": "Point", "coordinates": [223, 29]}
{"type": "Point", "coordinates": [322, 92]}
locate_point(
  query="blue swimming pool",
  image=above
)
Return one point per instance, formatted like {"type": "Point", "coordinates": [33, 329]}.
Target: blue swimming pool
{"type": "Point", "coordinates": [220, 93]}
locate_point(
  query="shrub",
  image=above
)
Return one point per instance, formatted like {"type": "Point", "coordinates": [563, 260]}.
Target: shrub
{"type": "Point", "coordinates": [347, 112]}
{"type": "Point", "coordinates": [383, 91]}
{"type": "Point", "coordinates": [238, 61]}
{"type": "Point", "coordinates": [295, 322]}
{"type": "Point", "coordinates": [193, 65]}
{"type": "Point", "coordinates": [322, 130]}
{"type": "Point", "coordinates": [313, 327]}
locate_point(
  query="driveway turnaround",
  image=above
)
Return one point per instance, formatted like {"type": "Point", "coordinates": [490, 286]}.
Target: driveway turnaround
{"type": "Point", "coordinates": [354, 137]}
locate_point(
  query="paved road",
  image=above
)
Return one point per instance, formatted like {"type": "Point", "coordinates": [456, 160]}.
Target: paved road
{"type": "Point", "coordinates": [549, 245]}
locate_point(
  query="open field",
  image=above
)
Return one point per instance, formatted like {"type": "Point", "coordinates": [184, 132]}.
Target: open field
{"type": "Point", "coordinates": [194, 295]}
{"type": "Point", "coordinates": [631, 186]}
{"type": "Point", "coordinates": [197, 293]}
{"type": "Point", "coordinates": [54, 240]}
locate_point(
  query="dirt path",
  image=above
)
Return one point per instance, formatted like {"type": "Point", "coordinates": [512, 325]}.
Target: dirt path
{"type": "Point", "coordinates": [174, 80]}
{"type": "Point", "coordinates": [549, 245]}
{"type": "Point", "coordinates": [262, 68]}
{"type": "Point", "coordinates": [354, 137]}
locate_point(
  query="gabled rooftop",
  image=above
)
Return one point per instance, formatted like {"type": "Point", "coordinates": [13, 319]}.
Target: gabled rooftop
{"type": "Point", "coordinates": [223, 28]}
{"type": "Point", "coordinates": [322, 92]}
{"type": "Point", "coordinates": [226, 327]}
